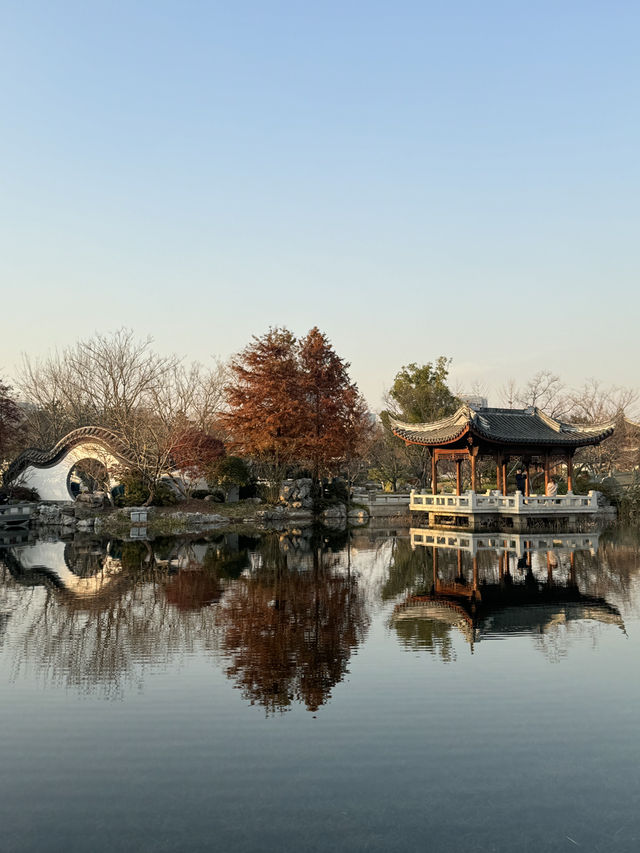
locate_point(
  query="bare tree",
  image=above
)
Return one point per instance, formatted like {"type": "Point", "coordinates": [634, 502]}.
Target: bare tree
{"type": "Point", "coordinates": [545, 391]}
{"type": "Point", "coordinates": [121, 383]}
{"type": "Point", "coordinates": [509, 394]}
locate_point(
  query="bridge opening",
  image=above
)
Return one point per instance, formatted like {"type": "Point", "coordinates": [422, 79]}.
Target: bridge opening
{"type": "Point", "coordinates": [88, 476]}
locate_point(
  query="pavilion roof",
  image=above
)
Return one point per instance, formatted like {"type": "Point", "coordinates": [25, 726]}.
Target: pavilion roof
{"type": "Point", "coordinates": [502, 426]}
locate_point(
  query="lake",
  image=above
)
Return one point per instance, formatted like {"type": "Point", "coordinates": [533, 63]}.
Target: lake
{"type": "Point", "coordinates": [321, 691]}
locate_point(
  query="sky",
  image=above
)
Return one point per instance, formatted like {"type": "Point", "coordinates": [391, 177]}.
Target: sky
{"type": "Point", "coordinates": [414, 178]}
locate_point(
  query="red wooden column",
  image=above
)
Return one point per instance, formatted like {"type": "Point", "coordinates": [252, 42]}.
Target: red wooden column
{"type": "Point", "coordinates": [434, 473]}
{"type": "Point", "coordinates": [547, 472]}
{"type": "Point", "coordinates": [527, 486]}
{"type": "Point", "coordinates": [474, 479]}
{"type": "Point", "coordinates": [498, 472]}
{"type": "Point", "coordinates": [458, 476]}
{"type": "Point", "coordinates": [504, 475]}
{"type": "Point", "coordinates": [570, 471]}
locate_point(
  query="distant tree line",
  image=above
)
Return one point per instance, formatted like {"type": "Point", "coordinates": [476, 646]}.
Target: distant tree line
{"type": "Point", "coordinates": [282, 406]}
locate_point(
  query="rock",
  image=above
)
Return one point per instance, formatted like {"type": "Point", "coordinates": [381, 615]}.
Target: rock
{"type": "Point", "coordinates": [358, 516]}
{"type": "Point", "coordinates": [300, 515]}
{"type": "Point", "coordinates": [150, 510]}
{"type": "Point", "coordinates": [335, 523]}
{"type": "Point", "coordinates": [286, 490]}
{"type": "Point", "coordinates": [335, 512]}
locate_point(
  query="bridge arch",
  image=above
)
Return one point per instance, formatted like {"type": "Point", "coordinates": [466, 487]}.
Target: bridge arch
{"type": "Point", "coordinates": [48, 471]}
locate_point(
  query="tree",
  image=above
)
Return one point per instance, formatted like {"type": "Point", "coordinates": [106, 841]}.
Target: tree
{"type": "Point", "coordinates": [196, 454]}
{"type": "Point", "coordinates": [11, 423]}
{"type": "Point", "coordinates": [291, 402]}
{"type": "Point", "coordinates": [335, 417]}
{"type": "Point", "coordinates": [387, 456]}
{"type": "Point", "coordinates": [231, 471]}
{"type": "Point", "coordinates": [264, 416]}
{"type": "Point", "coordinates": [121, 383]}
{"type": "Point", "coordinates": [420, 394]}
{"type": "Point", "coordinates": [547, 392]}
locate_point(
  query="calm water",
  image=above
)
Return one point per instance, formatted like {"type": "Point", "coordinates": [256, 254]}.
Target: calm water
{"type": "Point", "coordinates": [321, 693]}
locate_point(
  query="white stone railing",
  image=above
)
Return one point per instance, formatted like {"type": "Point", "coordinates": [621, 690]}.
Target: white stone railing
{"type": "Point", "coordinates": [381, 499]}
{"type": "Point", "coordinates": [472, 543]}
{"type": "Point", "coordinates": [9, 512]}
{"type": "Point", "coordinates": [470, 502]}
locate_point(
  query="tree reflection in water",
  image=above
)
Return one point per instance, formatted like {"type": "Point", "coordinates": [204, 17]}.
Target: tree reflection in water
{"type": "Point", "coordinates": [151, 606]}
{"type": "Point", "coordinates": [278, 612]}
{"type": "Point", "coordinates": [283, 614]}
{"type": "Point", "coordinates": [288, 631]}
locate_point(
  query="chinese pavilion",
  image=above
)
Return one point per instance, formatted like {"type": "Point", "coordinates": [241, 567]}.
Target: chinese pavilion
{"type": "Point", "coordinates": [503, 434]}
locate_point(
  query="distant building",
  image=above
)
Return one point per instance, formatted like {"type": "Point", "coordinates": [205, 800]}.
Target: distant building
{"type": "Point", "coordinates": [475, 401]}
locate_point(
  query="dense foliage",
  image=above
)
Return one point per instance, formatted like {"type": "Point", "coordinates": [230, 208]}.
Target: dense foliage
{"type": "Point", "coordinates": [292, 401]}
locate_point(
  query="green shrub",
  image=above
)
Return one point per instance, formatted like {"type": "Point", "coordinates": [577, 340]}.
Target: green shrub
{"type": "Point", "coordinates": [137, 492]}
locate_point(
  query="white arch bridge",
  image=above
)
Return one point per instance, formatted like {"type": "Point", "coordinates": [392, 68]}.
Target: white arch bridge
{"type": "Point", "coordinates": [48, 471]}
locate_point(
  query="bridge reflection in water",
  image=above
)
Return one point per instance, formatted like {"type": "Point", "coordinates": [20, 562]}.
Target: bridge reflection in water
{"type": "Point", "coordinates": [280, 614]}
{"type": "Point", "coordinates": [489, 586]}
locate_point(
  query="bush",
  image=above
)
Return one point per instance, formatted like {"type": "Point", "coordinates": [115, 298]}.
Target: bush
{"type": "Point", "coordinates": [136, 492]}
{"type": "Point", "coordinates": [18, 493]}
{"type": "Point", "coordinates": [232, 471]}
{"type": "Point", "coordinates": [336, 491]}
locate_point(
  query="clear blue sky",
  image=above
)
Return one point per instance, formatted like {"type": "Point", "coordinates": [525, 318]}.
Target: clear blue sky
{"type": "Point", "coordinates": [415, 178]}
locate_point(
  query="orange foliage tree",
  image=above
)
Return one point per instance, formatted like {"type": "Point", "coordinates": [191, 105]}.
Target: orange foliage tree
{"type": "Point", "coordinates": [264, 416]}
{"type": "Point", "coordinates": [292, 401]}
{"type": "Point", "coordinates": [335, 416]}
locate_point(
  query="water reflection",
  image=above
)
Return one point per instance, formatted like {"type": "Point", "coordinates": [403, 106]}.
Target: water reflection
{"type": "Point", "coordinates": [288, 631]}
{"type": "Point", "coordinates": [282, 614]}
{"type": "Point", "coordinates": [492, 586]}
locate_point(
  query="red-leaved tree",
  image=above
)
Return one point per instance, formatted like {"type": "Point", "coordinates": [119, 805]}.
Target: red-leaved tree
{"type": "Point", "coordinates": [264, 414]}
{"type": "Point", "coordinates": [336, 420]}
{"type": "Point", "coordinates": [195, 453]}
{"type": "Point", "coordinates": [292, 402]}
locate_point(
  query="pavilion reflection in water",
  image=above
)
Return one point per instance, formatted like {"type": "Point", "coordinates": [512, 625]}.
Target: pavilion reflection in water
{"type": "Point", "coordinates": [495, 585]}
